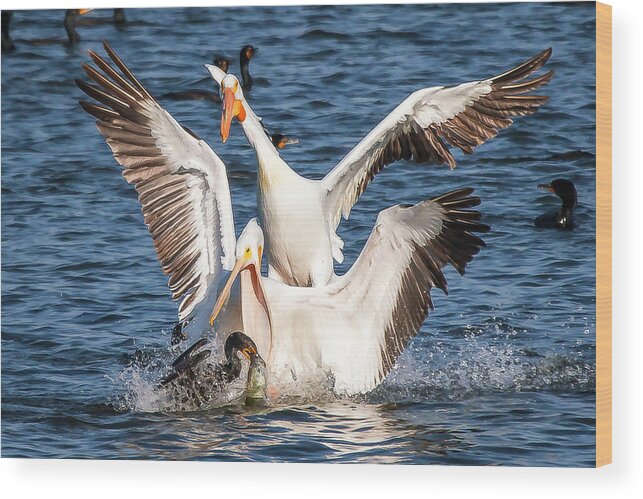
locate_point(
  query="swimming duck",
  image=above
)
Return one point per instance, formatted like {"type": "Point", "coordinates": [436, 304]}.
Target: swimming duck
{"type": "Point", "coordinates": [199, 382]}
{"type": "Point", "coordinates": [564, 217]}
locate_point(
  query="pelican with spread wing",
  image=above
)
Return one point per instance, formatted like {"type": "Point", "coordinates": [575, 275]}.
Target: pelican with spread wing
{"type": "Point", "coordinates": [352, 329]}
{"type": "Point", "coordinates": [300, 216]}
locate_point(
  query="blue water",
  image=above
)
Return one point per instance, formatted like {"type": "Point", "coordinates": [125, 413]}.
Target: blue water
{"type": "Point", "coordinates": [503, 372]}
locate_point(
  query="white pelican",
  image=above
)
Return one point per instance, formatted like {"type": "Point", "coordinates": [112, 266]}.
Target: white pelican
{"type": "Point", "coordinates": [352, 329]}
{"type": "Point", "coordinates": [300, 216]}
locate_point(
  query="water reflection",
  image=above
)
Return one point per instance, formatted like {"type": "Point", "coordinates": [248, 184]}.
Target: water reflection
{"type": "Point", "coordinates": [339, 431]}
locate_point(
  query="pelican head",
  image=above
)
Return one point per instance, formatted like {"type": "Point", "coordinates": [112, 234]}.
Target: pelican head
{"type": "Point", "coordinates": [248, 252]}
{"type": "Point", "coordinates": [233, 104]}
{"type": "Point", "coordinates": [249, 247]}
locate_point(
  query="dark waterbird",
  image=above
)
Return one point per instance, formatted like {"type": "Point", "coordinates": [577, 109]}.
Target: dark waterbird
{"type": "Point", "coordinates": [7, 42]}
{"type": "Point", "coordinates": [246, 54]}
{"type": "Point", "coordinates": [223, 63]}
{"type": "Point", "coordinates": [71, 16]}
{"type": "Point", "coordinates": [117, 18]}
{"type": "Point", "coordinates": [71, 21]}
{"type": "Point", "coordinates": [198, 382]}
{"type": "Point", "coordinates": [564, 217]}
{"type": "Point", "coordinates": [280, 141]}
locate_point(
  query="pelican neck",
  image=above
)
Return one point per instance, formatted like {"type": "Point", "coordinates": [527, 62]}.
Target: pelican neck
{"type": "Point", "coordinates": [267, 155]}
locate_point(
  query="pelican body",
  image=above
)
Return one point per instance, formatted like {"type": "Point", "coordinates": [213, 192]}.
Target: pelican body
{"type": "Point", "coordinates": [352, 330]}
{"type": "Point", "coordinates": [290, 206]}
{"type": "Point", "coordinates": [300, 216]}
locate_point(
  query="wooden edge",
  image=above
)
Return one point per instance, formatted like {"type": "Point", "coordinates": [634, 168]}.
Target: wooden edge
{"type": "Point", "coordinates": [603, 234]}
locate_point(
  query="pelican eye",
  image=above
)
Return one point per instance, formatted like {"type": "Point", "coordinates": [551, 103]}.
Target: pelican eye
{"type": "Point", "coordinates": [248, 251]}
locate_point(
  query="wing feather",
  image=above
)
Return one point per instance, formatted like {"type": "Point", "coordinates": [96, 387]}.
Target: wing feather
{"type": "Point", "coordinates": [392, 278]}
{"type": "Point", "coordinates": [181, 183]}
{"type": "Point", "coordinates": [429, 122]}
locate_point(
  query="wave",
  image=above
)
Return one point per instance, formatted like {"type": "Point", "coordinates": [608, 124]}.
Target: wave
{"type": "Point", "coordinates": [321, 34]}
{"type": "Point", "coordinates": [560, 156]}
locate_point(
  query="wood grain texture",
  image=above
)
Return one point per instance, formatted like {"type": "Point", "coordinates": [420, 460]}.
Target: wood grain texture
{"type": "Point", "coordinates": [603, 234]}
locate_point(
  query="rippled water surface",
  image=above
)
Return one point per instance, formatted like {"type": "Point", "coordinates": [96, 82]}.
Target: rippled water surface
{"type": "Point", "coordinates": [501, 373]}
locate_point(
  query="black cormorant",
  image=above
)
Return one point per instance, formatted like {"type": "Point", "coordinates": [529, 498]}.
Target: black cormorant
{"type": "Point", "coordinates": [564, 217]}
{"type": "Point", "coordinates": [197, 382]}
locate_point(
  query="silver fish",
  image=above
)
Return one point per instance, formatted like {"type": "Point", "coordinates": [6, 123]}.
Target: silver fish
{"type": "Point", "coordinates": [256, 386]}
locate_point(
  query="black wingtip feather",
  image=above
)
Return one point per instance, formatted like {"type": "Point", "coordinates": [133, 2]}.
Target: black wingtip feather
{"type": "Point", "coordinates": [525, 69]}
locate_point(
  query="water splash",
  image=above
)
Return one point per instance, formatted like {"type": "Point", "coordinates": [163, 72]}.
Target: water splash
{"type": "Point", "coordinates": [476, 367]}
{"type": "Point", "coordinates": [139, 389]}
{"type": "Point", "coordinates": [482, 360]}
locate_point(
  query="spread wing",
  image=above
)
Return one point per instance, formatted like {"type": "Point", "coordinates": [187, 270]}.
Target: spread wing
{"type": "Point", "coordinates": [430, 121]}
{"type": "Point", "coordinates": [181, 183]}
{"type": "Point", "coordinates": [387, 290]}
